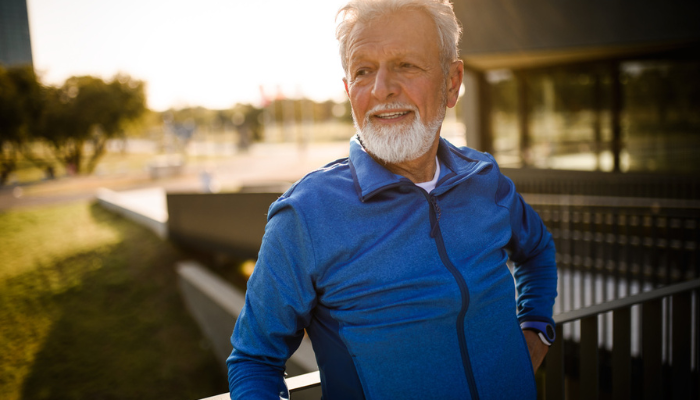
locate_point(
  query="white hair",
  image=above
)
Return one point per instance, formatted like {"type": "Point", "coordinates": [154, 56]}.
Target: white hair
{"type": "Point", "coordinates": [364, 11]}
{"type": "Point", "coordinates": [398, 143]}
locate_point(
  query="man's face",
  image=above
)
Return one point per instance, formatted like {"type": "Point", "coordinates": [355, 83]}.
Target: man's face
{"type": "Point", "coordinates": [396, 60]}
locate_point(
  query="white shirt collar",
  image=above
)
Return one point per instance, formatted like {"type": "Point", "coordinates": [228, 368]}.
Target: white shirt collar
{"type": "Point", "coordinates": [429, 186]}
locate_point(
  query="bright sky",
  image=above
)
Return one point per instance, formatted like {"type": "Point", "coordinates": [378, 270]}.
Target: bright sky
{"type": "Point", "coordinates": [211, 53]}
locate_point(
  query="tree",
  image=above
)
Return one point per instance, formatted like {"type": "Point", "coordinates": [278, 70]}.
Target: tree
{"type": "Point", "coordinates": [85, 113]}
{"type": "Point", "coordinates": [21, 104]}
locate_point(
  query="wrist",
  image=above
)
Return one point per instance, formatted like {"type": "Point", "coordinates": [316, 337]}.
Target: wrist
{"type": "Point", "coordinates": [545, 331]}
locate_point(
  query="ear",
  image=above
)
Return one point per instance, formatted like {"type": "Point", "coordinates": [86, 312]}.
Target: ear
{"type": "Point", "coordinates": [454, 82]}
{"type": "Point", "coordinates": [347, 91]}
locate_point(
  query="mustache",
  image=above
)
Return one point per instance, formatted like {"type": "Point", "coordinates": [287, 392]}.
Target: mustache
{"type": "Point", "coordinates": [391, 106]}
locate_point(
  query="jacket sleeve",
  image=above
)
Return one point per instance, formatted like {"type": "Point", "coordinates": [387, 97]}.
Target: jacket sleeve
{"type": "Point", "coordinates": [278, 302]}
{"type": "Point", "coordinates": [531, 249]}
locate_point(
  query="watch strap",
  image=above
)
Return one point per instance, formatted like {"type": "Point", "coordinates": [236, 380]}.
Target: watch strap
{"type": "Point", "coordinates": [545, 330]}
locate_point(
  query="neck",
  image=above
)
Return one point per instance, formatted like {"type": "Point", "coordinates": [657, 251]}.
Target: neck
{"type": "Point", "coordinates": [421, 169]}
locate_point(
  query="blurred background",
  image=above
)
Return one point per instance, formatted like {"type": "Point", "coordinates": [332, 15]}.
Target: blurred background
{"type": "Point", "coordinates": [177, 115]}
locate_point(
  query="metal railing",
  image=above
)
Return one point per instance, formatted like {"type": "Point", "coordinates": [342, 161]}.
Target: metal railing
{"type": "Point", "coordinates": [650, 240]}
{"type": "Point", "coordinates": [588, 183]}
{"type": "Point", "coordinates": [666, 367]}
{"type": "Point", "coordinates": [614, 343]}
{"type": "Point", "coordinates": [608, 249]}
{"type": "Point", "coordinates": [612, 247]}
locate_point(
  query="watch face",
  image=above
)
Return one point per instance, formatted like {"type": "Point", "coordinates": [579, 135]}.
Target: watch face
{"type": "Point", "coordinates": [550, 331]}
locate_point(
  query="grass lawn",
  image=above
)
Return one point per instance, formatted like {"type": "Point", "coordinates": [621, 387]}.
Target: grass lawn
{"type": "Point", "coordinates": [89, 309]}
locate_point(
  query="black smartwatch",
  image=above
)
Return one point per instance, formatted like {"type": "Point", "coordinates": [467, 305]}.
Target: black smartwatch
{"type": "Point", "coordinates": [544, 330]}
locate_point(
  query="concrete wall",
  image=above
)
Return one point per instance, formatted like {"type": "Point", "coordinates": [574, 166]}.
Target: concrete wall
{"type": "Point", "coordinates": [223, 222]}
{"type": "Point", "coordinates": [215, 305]}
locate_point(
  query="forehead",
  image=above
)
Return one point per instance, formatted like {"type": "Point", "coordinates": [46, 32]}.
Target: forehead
{"type": "Point", "coordinates": [405, 33]}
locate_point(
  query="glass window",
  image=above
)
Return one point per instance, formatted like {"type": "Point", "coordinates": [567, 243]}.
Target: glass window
{"type": "Point", "coordinates": [569, 119]}
{"type": "Point", "coordinates": [661, 118]}
{"type": "Point", "coordinates": [504, 118]}
{"type": "Point", "coordinates": [565, 120]}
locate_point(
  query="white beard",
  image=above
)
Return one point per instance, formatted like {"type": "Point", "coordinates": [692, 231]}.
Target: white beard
{"type": "Point", "coordinates": [398, 143]}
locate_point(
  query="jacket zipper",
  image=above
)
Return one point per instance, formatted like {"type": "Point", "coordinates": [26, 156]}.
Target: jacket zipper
{"type": "Point", "coordinates": [436, 234]}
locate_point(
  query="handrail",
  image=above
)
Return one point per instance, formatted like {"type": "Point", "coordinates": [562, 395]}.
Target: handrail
{"type": "Point", "coordinates": [607, 201]}
{"type": "Point", "coordinates": [626, 301]}
{"type": "Point", "coordinates": [313, 379]}
{"type": "Point", "coordinates": [302, 382]}
{"type": "Point", "coordinates": [294, 384]}
{"type": "Point", "coordinates": [664, 325]}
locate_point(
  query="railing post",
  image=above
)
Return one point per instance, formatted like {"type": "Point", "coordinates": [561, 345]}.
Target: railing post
{"type": "Point", "coordinates": [681, 345]}
{"type": "Point", "coordinates": [696, 340]}
{"type": "Point", "coordinates": [651, 348]}
{"type": "Point", "coordinates": [554, 377]}
{"type": "Point", "coordinates": [622, 354]}
{"type": "Point", "coordinates": [589, 375]}
{"type": "Point", "coordinates": [683, 301]}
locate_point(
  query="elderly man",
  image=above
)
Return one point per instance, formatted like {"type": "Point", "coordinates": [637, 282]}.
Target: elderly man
{"type": "Point", "coordinates": [394, 259]}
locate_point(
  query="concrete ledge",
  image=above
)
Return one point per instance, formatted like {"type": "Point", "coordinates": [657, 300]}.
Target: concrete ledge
{"type": "Point", "coordinates": [306, 381]}
{"type": "Point", "coordinates": [138, 206]}
{"type": "Point", "coordinates": [215, 305]}
{"type": "Point", "coordinates": [225, 396]}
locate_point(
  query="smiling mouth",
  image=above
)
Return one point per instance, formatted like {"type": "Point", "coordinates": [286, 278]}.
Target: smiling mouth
{"type": "Point", "coordinates": [391, 115]}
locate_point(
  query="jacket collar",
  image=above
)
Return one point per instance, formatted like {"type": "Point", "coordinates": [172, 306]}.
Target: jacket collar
{"type": "Point", "coordinates": [370, 177]}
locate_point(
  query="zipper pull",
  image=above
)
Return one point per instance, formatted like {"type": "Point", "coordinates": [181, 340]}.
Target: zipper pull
{"type": "Point", "coordinates": [436, 209]}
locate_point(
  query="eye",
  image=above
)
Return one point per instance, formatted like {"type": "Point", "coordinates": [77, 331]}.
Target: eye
{"type": "Point", "coordinates": [361, 72]}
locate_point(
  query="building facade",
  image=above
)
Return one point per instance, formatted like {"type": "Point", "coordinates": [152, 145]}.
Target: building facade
{"type": "Point", "coordinates": [583, 85]}
{"type": "Point", "coordinates": [15, 42]}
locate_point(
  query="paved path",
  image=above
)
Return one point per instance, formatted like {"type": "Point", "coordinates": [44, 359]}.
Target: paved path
{"type": "Point", "coordinates": [263, 163]}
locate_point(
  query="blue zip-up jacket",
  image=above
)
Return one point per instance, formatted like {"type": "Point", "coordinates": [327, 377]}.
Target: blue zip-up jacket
{"type": "Point", "coordinates": [404, 294]}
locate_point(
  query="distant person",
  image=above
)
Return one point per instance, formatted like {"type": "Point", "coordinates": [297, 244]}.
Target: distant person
{"type": "Point", "coordinates": [394, 259]}
{"type": "Point", "coordinates": [209, 182]}
{"type": "Point", "coordinates": [50, 173]}
{"type": "Point", "coordinates": [244, 138]}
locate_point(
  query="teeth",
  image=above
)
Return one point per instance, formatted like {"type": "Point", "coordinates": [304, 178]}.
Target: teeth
{"type": "Point", "coordinates": [392, 115]}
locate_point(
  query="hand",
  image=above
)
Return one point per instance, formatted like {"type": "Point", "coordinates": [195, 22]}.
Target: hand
{"type": "Point", "coordinates": [537, 349]}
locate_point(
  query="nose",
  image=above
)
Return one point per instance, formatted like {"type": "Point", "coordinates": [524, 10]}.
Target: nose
{"type": "Point", "coordinates": [385, 85]}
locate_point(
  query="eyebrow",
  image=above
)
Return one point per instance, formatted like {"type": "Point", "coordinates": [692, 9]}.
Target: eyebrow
{"type": "Point", "coordinates": [399, 54]}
